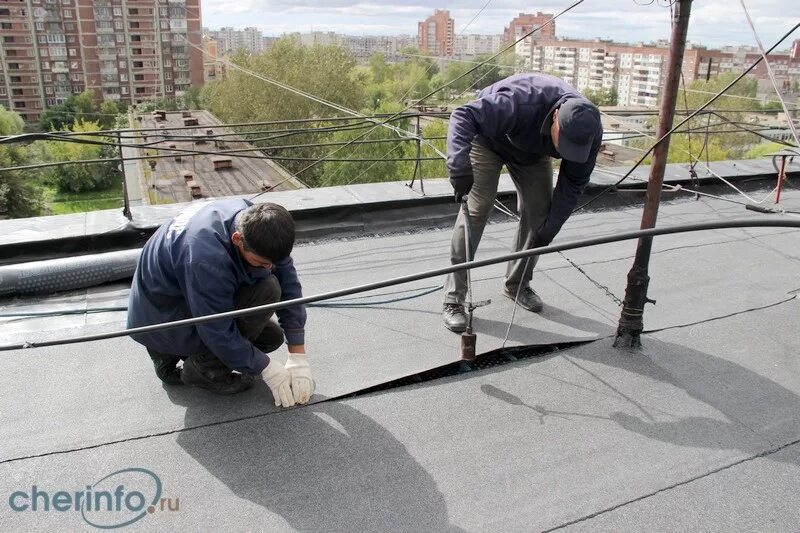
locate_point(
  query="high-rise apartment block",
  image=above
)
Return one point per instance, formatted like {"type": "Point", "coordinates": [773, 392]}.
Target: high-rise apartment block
{"type": "Point", "coordinates": [436, 34]}
{"type": "Point", "coordinates": [524, 23]}
{"type": "Point", "coordinates": [126, 50]}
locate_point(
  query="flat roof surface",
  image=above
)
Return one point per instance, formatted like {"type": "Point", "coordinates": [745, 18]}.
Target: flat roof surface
{"type": "Point", "coordinates": [697, 431]}
{"type": "Point", "coordinates": [246, 176]}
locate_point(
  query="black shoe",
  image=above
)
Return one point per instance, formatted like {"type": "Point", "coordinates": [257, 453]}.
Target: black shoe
{"type": "Point", "coordinates": [166, 367]}
{"type": "Point", "coordinates": [213, 380]}
{"type": "Point", "coordinates": [455, 319]}
{"type": "Point", "coordinates": [527, 299]}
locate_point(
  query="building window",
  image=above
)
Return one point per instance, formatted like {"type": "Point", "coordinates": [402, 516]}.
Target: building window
{"type": "Point", "coordinates": [43, 39]}
{"type": "Point", "coordinates": [124, 90]}
{"type": "Point", "coordinates": [19, 104]}
{"type": "Point", "coordinates": [169, 88]}
{"type": "Point", "coordinates": [120, 38]}
{"type": "Point", "coordinates": [122, 64]}
{"type": "Point", "coordinates": [118, 11]}
{"type": "Point", "coordinates": [133, 11]}
{"type": "Point", "coordinates": [73, 52]}
{"type": "Point", "coordinates": [48, 78]}
{"type": "Point", "coordinates": [37, 104]}
{"type": "Point", "coordinates": [118, 24]}
{"type": "Point", "coordinates": [67, 13]}
{"type": "Point", "coordinates": [123, 77]}
{"type": "Point", "coordinates": [168, 75]}
{"type": "Point", "coordinates": [46, 65]}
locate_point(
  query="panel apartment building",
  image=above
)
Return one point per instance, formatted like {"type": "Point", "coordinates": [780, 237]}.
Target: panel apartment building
{"type": "Point", "coordinates": [637, 72]}
{"type": "Point", "coordinates": [125, 50]}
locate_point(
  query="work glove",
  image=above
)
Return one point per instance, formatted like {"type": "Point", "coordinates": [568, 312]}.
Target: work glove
{"type": "Point", "coordinates": [461, 186]}
{"type": "Point", "coordinates": [302, 382]}
{"type": "Point", "coordinates": [279, 382]}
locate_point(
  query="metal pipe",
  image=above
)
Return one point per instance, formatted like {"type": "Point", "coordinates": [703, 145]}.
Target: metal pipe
{"type": "Point", "coordinates": [582, 243]}
{"type": "Point", "coordinates": [631, 322]}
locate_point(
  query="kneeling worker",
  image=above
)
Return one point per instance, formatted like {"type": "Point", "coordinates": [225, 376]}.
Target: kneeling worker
{"type": "Point", "coordinates": [520, 122]}
{"type": "Point", "coordinates": [217, 257]}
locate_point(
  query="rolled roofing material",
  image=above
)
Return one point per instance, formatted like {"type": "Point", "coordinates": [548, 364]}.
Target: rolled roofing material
{"type": "Point", "coordinates": [67, 273]}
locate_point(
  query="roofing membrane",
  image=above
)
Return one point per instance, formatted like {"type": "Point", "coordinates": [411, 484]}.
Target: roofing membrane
{"type": "Point", "coordinates": [591, 437]}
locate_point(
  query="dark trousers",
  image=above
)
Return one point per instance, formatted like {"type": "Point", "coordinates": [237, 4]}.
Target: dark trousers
{"type": "Point", "coordinates": [258, 328]}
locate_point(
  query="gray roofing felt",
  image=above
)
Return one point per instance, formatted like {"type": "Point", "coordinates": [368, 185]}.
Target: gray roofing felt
{"type": "Point", "coordinates": [660, 440]}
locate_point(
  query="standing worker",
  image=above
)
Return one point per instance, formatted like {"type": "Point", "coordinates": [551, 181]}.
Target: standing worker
{"type": "Point", "coordinates": [519, 122]}
{"type": "Point", "coordinates": [212, 258]}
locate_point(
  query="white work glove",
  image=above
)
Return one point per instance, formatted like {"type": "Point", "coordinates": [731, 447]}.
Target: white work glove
{"type": "Point", "coordinates": [302, 382]}
{"type": "Point", "coordinates": [279, 382]}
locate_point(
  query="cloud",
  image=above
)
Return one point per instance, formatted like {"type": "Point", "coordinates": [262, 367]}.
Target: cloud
{"type": "Point", "coordinates": [713, 22]}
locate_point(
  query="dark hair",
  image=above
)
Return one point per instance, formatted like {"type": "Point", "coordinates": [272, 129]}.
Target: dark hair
{"type": "Point", "coordinates": [267, 229]}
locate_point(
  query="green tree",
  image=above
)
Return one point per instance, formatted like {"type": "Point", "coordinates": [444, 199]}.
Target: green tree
{"type": "Point", "coordinates": [730, 113]}
{"type": "Point", "coordinates": [109, 110]}
{"type": "Point", "coordinates": [77, 178]}
{"type": "Point", "coordinates": [324, 71]}
{"type": "Point", "coordinates": [21, 195]}
{"type": "Point", "coordinates": [191, 98]}
{"type": "Point", "coordinates": [380, 167]}
{"type": "Point", "coordinates": [61, 117]}
{"type": "Point", "coordinates": [602, 97]}
{"type": "Point", "coordinates": [763, 150]}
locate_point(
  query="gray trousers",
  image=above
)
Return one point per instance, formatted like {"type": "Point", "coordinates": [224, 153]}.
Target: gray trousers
{"type": "Point", "coordinates": [534, 183]}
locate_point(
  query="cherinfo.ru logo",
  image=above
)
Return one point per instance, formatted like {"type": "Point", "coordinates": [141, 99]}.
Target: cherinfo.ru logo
{"type": "Point", "coordinates": [117, 500]}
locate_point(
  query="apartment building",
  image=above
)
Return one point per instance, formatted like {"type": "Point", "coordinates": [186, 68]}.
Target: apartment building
{"type": "Point", "coordinates": [125, 50]}
{"type": "Point", "coordinates": [637, 72]}
{"type": "Point", "coordinates": [471, 45]}
{"type": "Point", "coordinates": [230, 40]}
{"type": "Point", "coordinates": [363, 46]}
{"type": "Point", "coordinates": [527, 22]}
{"type": "Point", "coordinates": [436, 34]}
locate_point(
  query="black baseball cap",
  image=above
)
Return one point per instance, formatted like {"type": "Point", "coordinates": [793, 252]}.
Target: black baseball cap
{"type": "Point", "coordinates": [578, 123]}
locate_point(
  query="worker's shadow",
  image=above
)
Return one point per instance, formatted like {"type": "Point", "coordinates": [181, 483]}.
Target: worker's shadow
{"type": "Point", "coordinates": [524, 331]}
{"type": "Point", "coordinates": [324, 467]}
{"type": "Point", "coordinates": [730, 407]}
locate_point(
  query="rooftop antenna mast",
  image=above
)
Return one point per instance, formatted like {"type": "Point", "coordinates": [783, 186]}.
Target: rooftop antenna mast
{"type": "Point", "coordinates": [631, 322]}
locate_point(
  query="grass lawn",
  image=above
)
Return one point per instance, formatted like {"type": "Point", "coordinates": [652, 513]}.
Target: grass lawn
{"type": "Point", "coordinates": [65, 203]}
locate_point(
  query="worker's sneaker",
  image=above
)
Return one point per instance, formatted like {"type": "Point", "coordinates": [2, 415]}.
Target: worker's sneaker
{"type": "Point", "coordinates": [455, 319]}
{"type": "Point", "coordinates": [527, 299]}
{"type": "Point", "coordinates": [166, 367]}
{"type": "Point", "coordinates": [214, 378]}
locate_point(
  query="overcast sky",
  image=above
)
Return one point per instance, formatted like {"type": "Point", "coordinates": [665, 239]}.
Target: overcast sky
{"type": "Point", "coordinates": [713, 22]}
